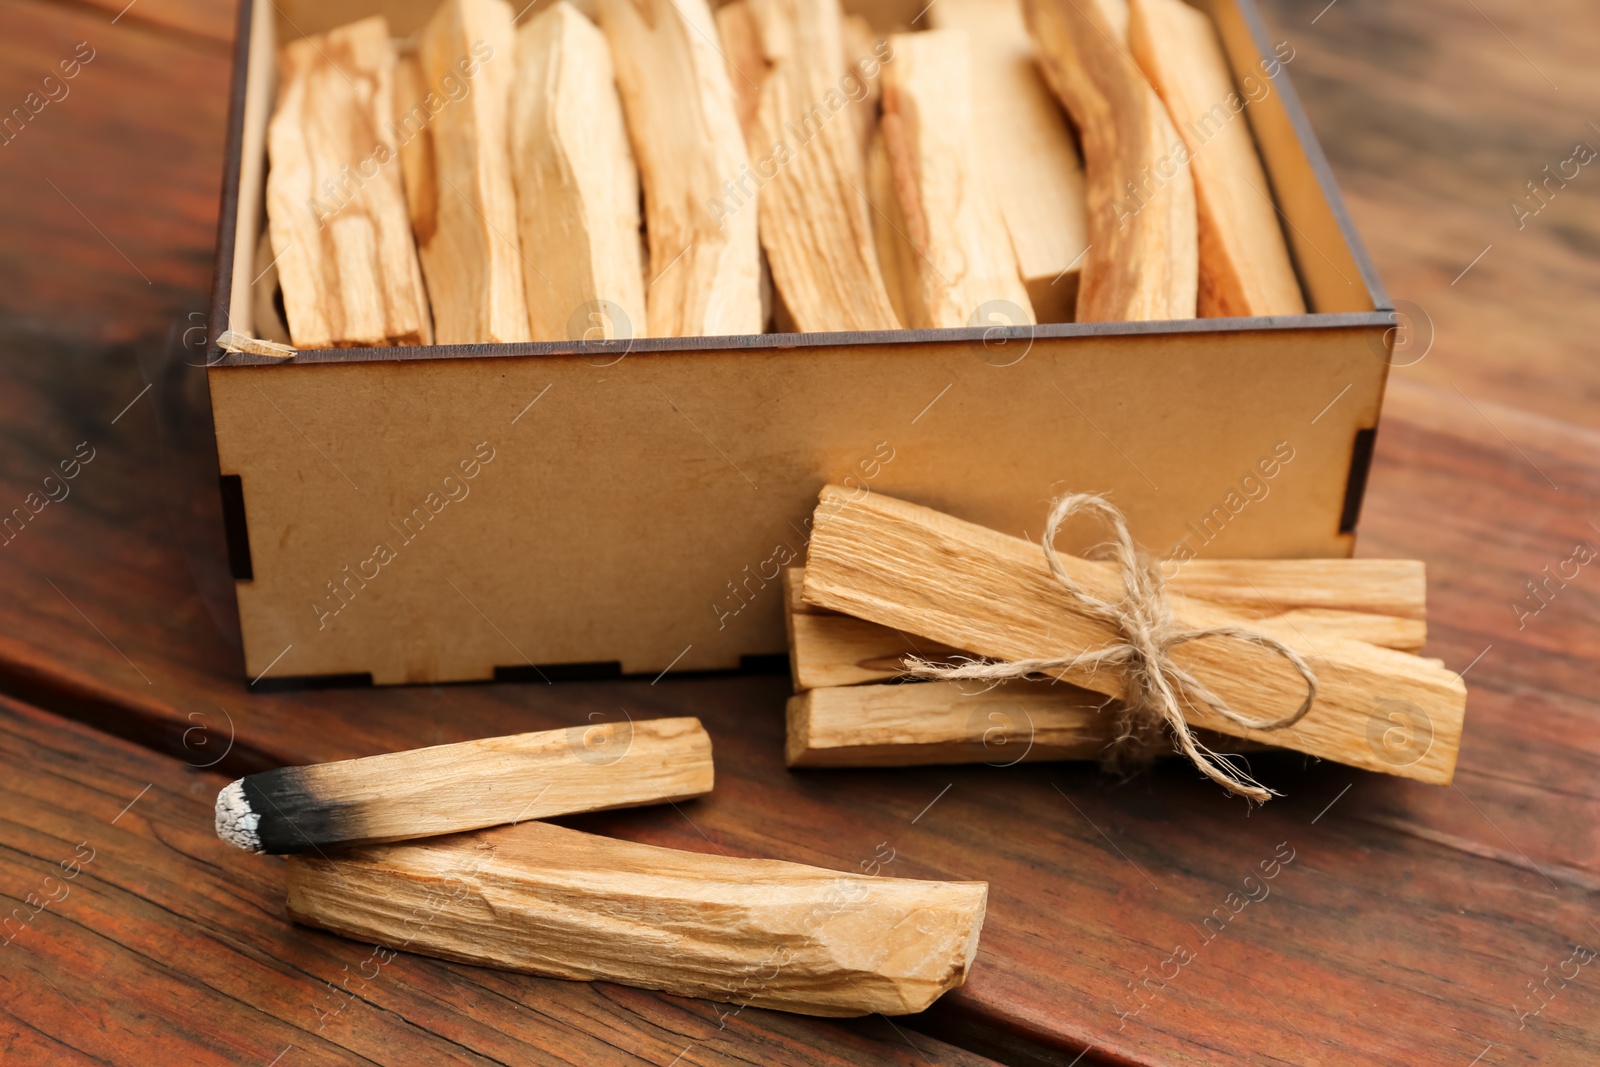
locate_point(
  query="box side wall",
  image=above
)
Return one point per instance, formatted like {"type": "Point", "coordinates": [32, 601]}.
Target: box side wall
{"type": "Point", "coordinates": [432, 520]}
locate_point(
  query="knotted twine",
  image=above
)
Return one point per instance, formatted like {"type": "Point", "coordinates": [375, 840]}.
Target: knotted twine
{"type": "Point", "coordinates": [1155, 688]}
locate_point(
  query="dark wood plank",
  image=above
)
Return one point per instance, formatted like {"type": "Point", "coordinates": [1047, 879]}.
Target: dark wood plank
{"type": "Point", "coordinates": [155, 943]}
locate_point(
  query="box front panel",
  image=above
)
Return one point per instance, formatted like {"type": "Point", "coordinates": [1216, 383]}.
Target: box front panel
{"type": "Point", "coordinates": [432, 520]}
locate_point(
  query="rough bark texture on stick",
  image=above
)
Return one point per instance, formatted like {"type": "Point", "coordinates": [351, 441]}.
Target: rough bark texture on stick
{"type": "Point", "coordinates": [1379, 601]}
{"type": "Point", "coordinates": [923, 572]}
{"type": "Point", "coordinates": [466, 217]}
{"type": "Point", "coordinates": [1026, 151]}
{"type": "Point", "coordinates": [945, 722]}
{"type": "Point", "coordinates": [964, 259]}
{"type": "Point", "coordinates": [547, 900]}
{"type": "Point", "coordinates": [1244, 262]}
{"type": "Point", "coordinates": [577, 186]}
{"type": "Point", "coordinates": [814, 223]}
{"type": "Point", "coordinates": [448, 788]}
{"type": "Point", "coordinates": [704, 252]}
{"type": "Point", "coordinates": [1143, 260]}
{"type": "Point", "coordinates": [336, 206]}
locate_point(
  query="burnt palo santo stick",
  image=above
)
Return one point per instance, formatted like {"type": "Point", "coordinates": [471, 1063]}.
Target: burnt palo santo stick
{"type": "Point", "coordinates": [449, 788]}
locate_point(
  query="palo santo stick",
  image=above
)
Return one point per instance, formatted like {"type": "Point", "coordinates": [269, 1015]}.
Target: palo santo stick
{"type": "Point", "coordinates": [1037, 177]}
{"type": "Point", "coordinates": [864, 51]}
{"type": "Point", "coordinates": [577, 186]}
{"type": "Point", "coordinates": [970, 587]}
{"type": "Point", "coordinates": [1244, 263]}
{"type": "Point", "coordinates": [336, 207]}
{"type": "Point", "coordinates": [1143, 260]}
{"type": "Point", "coordinates": [814, 225]}
{"type": "Point", "coordinates": [964, 261]}
{"type": "Point", "coordinates": [926, 723]}
{"type": "Point", "coordinates": [705, 258]}
{"type": "Point", "coordinates": [1378, 601]}
{"type": "Point", "coordinates": [547, 900]}
{"type": "Point", "coordinates": [448, 788]}
{"type": "Point", "coordinates": [943, 722]}
{"type": "Point", "coordinates": [896, 257]}
{"type": "Point", "coordinates": [747, 64]}
{"type": "Point", "coordinates": [465, 217]}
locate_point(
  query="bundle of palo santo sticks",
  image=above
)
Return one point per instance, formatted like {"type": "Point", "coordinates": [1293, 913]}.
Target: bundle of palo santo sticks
{"type": "Point", "coordinates": [889, 584]}
{"type": "Point", "coordinates": [443, 851]}
{"type": "Point", "coordinates": [649, 168]}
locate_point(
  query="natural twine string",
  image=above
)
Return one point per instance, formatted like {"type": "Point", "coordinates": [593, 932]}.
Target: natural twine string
{"type": "Point", "coordinates": [1155, 687]}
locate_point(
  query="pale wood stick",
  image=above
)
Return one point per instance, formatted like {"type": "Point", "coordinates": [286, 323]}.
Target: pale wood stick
{"type": "Point", "coordinates": [336, 207]}
{"type": "Point", "coordinates": [964, 259]}
{"type": "Point", "coordinates": [547, 900]}
{"type": "Point", "coordinates": [698, 189]}
{"type": "Point", "coordinates": [747, 63]}
{"type": "Point", "coordinates": [1244, 262]}
{"type": "Point", "coordinates": [945, 722]}
{"type": "Point", "coordinates": [1025, 150]}
{"type": "Point", "coordinates": [864, 49]}
{"type": "Point", "coordinates": [448, 788]}
{"type": "Point", "coordinates": [814, 223]}
{"type": "Point", "coordinates": [465, 216]}
{"type": "Point", "coordinates": [1143, 259]}
{"type": "Point", "coordinates": [1378, 601]}
{"type": "Point", "coordinates": [577, 186]}
{"type": "Point", "coordinates": [923, 723]}
{"type": "Point", "coordinates": [896, 257]}
{"type": "Point", "coordinates": [970, 587]}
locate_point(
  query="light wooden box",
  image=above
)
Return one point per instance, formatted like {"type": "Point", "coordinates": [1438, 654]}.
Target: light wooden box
{"type": "Point", "coordinates": [634, 518]}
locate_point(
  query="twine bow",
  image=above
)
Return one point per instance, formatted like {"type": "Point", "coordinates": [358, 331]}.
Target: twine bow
{"type": "Point", "coordinates": [1155, 686]}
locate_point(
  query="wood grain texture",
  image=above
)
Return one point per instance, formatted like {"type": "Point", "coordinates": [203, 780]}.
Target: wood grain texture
{"type": "Point", "coordinates": [468, 242]}
{"type": "Point", "coordinates": [341, 235]}
{"type": "Point", "coordinates": [1026, 150]}
{"type": "Point", "coordinates": [965, 270]}
{"type": "Point", "coordinates": [1407, 926]}
{"type": "Point", "coordinates": [154, 940]}
{"type": "Point", "coordinates": [1143, 259]}
{"type": "Point", "coordinates": [1244, 263]}
{"type": "Point", "coordinates": [759, 932]}
{"type": "Point", "coordinates": [705, 258]}
{"type": "Point", "coordinates": [806, 147]}
{"type": "Point", "coordinates": [944, 722]}
{"type": "Point", "coordinates": [577, 185]}
{"type": "Point", "coordinates": [1376, 601]}
{"type": "Point", "coordinates": [969, 587]}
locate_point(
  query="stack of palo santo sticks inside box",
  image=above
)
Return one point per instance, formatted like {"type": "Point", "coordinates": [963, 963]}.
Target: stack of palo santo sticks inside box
{"type": "Point", "coordinates": [444, 851]}
{"type": "Point", "coordinates": [651, 168]}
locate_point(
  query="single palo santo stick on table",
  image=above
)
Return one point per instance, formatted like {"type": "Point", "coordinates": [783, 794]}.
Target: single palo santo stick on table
{"type": "Point", "coordinates": [1143, 259]}
{"type": "Point", "coordinates": [465, 211]}
{"type": "Point", "coordinates": [465, 786]}
{"type": "Point", "coordinates": [973, 588]}
{"type": "Point", "coordinates": [547, 900]}
{"type": "Point", "coordinates": [1379, 601]}
{"type": "Point", "coordinates": [814, 223]}
{"type": "Point", "coordinates": [705, 258]}
{"type": "Point", "coordinates": [965, 268]}
{"type": "Point", "coordinates": [341, 238]}
{"type": "Point", "coordinates": [1244, 263]}
{"type": "Point", "coordinates": [1025, 151]}
{"type": "Point", "coordinates": [577, 186]}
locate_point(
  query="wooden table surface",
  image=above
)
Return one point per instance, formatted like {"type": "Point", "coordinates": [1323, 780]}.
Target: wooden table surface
{"type": "Point", "coordinates": [1413, 924]}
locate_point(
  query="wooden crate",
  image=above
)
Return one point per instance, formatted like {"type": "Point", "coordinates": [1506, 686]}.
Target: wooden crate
{"type": "Point", "coordinates": [444, 513]}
